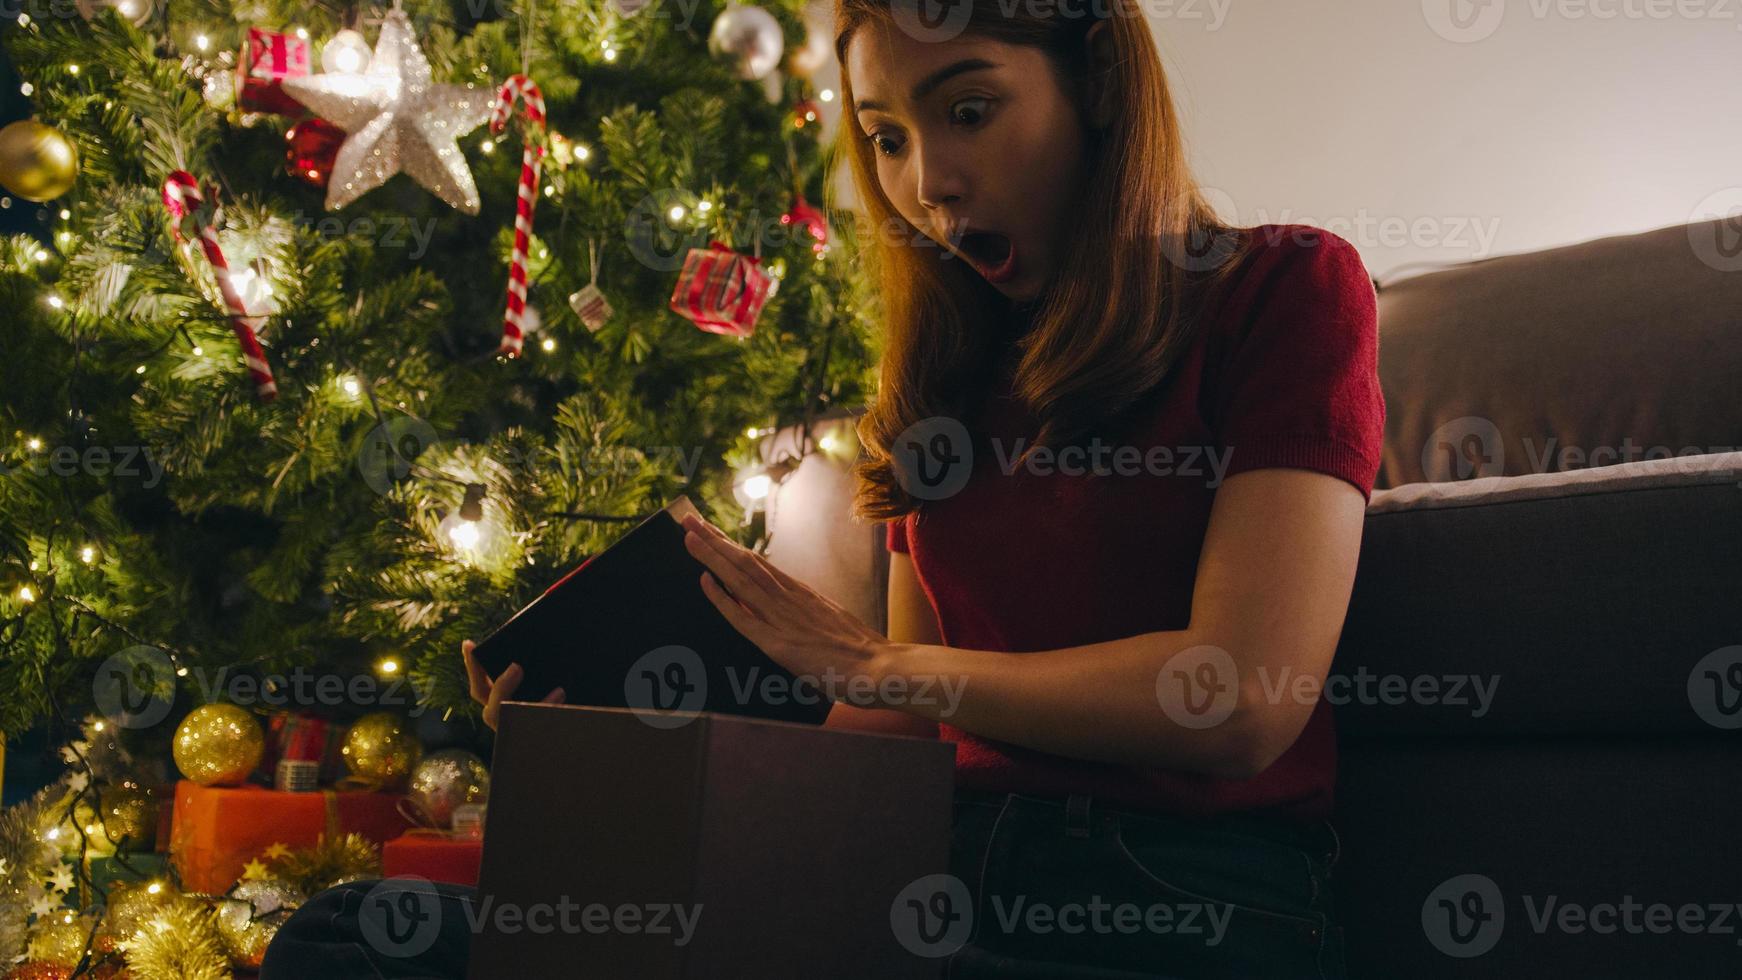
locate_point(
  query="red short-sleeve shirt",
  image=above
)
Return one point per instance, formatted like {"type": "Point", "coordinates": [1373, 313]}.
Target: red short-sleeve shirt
{"type": "Point", "coordinates": [1102, 543]}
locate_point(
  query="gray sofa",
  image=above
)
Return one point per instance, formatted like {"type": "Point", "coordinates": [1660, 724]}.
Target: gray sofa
{"type": "Point", "coordinates": [1539, 683]}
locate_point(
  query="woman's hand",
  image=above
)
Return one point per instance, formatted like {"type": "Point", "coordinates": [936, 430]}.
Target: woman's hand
{"type": "Point", "coordinates": [491, 693]}
{"type": "Point", "coordinates": [797, 627]}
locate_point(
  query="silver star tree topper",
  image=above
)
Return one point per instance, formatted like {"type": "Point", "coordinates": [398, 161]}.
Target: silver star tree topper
{"type": "Point", "coordinates": [397, 120]}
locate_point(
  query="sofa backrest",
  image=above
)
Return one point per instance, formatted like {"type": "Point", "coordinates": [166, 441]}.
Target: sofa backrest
{"type": "Point", "coordinates": [1609, 351]}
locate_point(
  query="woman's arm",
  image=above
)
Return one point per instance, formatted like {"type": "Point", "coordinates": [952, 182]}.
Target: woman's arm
{"type": "Point", "coordinates": [911, 620]}
{"type": "Point", "coordinates": [1272, 588]}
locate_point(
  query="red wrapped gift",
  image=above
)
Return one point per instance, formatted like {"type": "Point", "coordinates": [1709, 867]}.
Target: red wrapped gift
{"type": "Point", "coordinates": [268, 58]}
{"type": "Point", "coordinates": [219, 829]}
{"type": "Point", "coordinates": [433, 854]}
{"type": "Point", "coordinates": [297, 735]}
{"type": "Point", "coordinates": [722, 291]}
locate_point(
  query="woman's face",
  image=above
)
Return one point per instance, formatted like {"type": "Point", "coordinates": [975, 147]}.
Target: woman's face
{"type": "Point", "coordinates": [973, 135]}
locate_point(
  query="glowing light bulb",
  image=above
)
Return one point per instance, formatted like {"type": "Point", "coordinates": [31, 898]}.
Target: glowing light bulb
{"type": "Point", "coordinates": [56, 301]}
{"type": "Point", "coordinates": [757, 487]}
{"type": "Point", "coordinates": [827, 95]}
{"type": "Point", "coordinates": [199, 351]}
{"type": "Point", "coordinates": [34, 444]}
{"type": "Point", "coordinates": [26, 594]}
{"type": "Point", "coordinates": [87, 554]}
{"type": "Point", "coordinates": [676, 213]}
{"type": "Point", "coordinates": [548, 345]}
{"type": "Point", "coordinates": [202, 42]}
{"type": "Point", "coordinates": [464, 535]}
{"type": "Point", "coordinates": [352, 387]}
{"type": "Point", "coordinates": [581, 151]}
{"type": "Point", "coordinates": [827, 443]}
{"type": "Point", "coordinates": [388, 665]}
{"type": "Point", "coordinates": [488, 146]}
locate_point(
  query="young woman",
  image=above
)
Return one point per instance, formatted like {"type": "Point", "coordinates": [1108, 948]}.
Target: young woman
{"type": "Point", "coordinates": [1124, 452]}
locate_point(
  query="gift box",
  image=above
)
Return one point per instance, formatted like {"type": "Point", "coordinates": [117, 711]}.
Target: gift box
{"type": "Point", "coordinates": [268, 58]}
{"type": "Point", "coordinates": [219, 829]}
{"type": "Point", "coordinates": [801, 843]}
{"type": "Point", "coordinates": [433, 854]}
{"type": "Point", "coordinates": [722, 291]}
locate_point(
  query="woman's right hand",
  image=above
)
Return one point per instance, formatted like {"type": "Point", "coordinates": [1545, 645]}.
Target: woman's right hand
{"type": "Point", "coordinates": [492, 692]}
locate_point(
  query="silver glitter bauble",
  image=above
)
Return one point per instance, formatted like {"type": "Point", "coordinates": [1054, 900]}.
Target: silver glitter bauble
{"type": "Point", "coordinates": [397, 120]}
{"type": "Point", "coordinates": [749, 35]}
{"type": "Point", "coordinates": [249, 916]}
{"type": "Point", "coordinates": [446, 779]}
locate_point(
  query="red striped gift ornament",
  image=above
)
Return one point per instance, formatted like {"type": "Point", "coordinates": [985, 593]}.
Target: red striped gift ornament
{"type": "Point", "coordinates": [721, 290]}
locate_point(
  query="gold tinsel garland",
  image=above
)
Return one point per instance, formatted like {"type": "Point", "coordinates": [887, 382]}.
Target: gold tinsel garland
{"type": "Point", "coordinates": [331, 862]}
{"type": "Point", "coordinates": [180, 943]}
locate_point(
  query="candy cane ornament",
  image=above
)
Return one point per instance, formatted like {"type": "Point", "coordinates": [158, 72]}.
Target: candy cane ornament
{"type": "Point", "coordinates": [182, 198]}
{"type": "Point", "coordinates": [519, 87]}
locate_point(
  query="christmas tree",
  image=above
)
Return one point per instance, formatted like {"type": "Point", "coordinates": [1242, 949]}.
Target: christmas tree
{"type": "Point", "coordinates": [354, 327]}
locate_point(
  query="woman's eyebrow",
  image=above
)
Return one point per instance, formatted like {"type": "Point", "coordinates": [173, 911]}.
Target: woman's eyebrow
{"type": "Point", "coordinates": [926, 85]}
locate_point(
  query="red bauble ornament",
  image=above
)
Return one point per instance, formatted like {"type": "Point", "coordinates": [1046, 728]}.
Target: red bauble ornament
{"type": "Point", "coordinates": [314, 145]}
{"type": "Point", "coordinates": [39, 970]}
{"type": "Point", "coordinates": [810, 219]}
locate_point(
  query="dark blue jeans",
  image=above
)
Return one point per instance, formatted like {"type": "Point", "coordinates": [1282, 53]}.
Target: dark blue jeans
{"type": "Point", "coordinates": [1057, 888]}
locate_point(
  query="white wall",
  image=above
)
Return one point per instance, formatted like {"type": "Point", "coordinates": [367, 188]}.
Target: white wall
{"type": "Point", "coordinates": [1560, 121]}
{"type": "Point", "coordinates": [1555, 126]}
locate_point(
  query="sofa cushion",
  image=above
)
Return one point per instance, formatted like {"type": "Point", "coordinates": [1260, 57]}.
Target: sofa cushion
{"type": "Point", "coordinates": [1589, 601]}
{"type": "Point", "coordinates": [1545, 361]}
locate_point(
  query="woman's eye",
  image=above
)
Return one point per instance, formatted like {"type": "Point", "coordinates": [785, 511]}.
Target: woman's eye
{"type": "Point", "coordinates": [883, 145]}
{"type": "Point", "coordinates": [975, 110]}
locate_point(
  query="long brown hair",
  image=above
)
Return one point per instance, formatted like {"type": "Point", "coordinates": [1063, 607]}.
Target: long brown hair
{"type": "Point", "coordinates": [1144, 251]}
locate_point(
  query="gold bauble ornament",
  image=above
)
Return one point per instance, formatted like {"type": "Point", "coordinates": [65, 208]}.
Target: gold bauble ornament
{"type": "Point", "coordinates": [250, 915]}
{"type": "Point", "coordinates": [58, 941]}
{"type": "Point", "coordinates": [37, 162]}
{"type": "Point", "coordinates": [131, 905]}
{"type": "Point", "coordinates": [122, 816]}
{"type": "Point", "coordinates": [381, 748]}
{"type": "Point", "coordinates": [218, 745]}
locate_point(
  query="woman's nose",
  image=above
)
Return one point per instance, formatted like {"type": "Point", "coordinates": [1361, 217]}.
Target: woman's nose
{"type": "Point", "coordinates": [940, 184]}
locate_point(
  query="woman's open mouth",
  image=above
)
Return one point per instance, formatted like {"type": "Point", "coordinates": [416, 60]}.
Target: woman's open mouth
{"type": "Point", "coordinates": [991, 254]}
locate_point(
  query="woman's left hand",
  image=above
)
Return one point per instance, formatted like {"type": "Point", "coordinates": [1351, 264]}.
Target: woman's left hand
{"type": "Point", "coordinates": [797, 627]}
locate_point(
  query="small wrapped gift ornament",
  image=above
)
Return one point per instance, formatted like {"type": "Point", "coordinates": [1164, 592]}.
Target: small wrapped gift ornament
{"type": "Point", "coordinates": [268, 58]}
{"type": "Point", "coordinates": [297, 775]}
{"type": "Point", "coordinates": [722, 291]}
{"type": "Point", "coordinates": [313, 146]}
{"type": "Point", "coordinates": [591, 306]}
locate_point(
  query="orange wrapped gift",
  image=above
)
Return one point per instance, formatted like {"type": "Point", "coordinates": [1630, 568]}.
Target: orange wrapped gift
{"type": "Point", "coordinates": [434, 855]}
{"type": "Point", "coordinates": [217, 830]}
